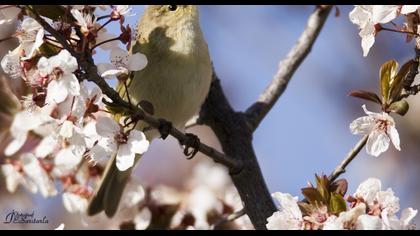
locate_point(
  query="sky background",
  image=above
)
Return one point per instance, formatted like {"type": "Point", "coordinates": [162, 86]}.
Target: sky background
{"type": "Point", "coordinates": [307, 131]}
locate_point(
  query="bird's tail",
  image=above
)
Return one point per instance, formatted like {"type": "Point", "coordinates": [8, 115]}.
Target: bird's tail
{"type": "Point", "coordinates": [111, 187]}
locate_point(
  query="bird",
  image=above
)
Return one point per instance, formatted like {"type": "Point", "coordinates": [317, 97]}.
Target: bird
{"type": "Point", "coordinates": [176, 81]}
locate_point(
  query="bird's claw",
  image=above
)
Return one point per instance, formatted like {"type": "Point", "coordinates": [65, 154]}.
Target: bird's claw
{"type": "Point", "coordinates": [164, 128]}
{"type": "Point", "coordinates": [191, 142]}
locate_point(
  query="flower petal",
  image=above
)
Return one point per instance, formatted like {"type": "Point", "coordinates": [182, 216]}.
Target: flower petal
{"type": "Point", "coordinates": [368, 189]}
{"type": "Point", "coordinates": [395, 138]}
{"type": "Point", "coordinates": [56, 92]}
{"type": "Point", "coordinates": [138, 142]}
{"type": "Point", "coordinates": [143, 218]}
{"type": "Point", "coordinates": [378, 142]}
{"type": "Point", "coordinates": [362, 125]}
{"type": "Point", "coordinates": [136, 62]}
{"type": "Point", "coordinates": [368, 222]}
{"type": "Point", "coordinates": [125, 157]}
{"type": "Point", "coordinates": [106, 127]}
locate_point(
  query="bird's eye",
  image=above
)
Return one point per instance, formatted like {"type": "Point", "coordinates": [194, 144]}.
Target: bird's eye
{"type": "Point", "coordinates": [172, 7]}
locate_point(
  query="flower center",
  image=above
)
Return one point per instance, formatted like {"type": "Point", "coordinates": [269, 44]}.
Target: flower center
{"type": "Point", "coordinates": [121, 138]}
{"type": "Point", "coordinates": [382, 125]}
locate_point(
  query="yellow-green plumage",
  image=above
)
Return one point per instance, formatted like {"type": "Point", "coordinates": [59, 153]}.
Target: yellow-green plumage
{"type": "Point", "coordinates": [176, 81]}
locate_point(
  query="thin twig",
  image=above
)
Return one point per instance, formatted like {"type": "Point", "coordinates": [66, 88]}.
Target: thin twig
{"type": "Point", "coordinates": [399, 31]}
{"type": "Point", "coordinates": [229, 218]}
{"type": "Point", "coordinates": [288, 66]}
{"type": "Point", "coordinates": [340, 169]}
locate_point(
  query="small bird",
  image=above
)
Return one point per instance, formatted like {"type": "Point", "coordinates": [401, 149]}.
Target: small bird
{"type": "Point", "coordinates": [175, 81]}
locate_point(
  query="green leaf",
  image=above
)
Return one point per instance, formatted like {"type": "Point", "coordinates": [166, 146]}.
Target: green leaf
{"type": "Point", "coordinates": [397, 81]}
{"type": "Point", "coordinates": [400, 107]}
{"type": "Point", "coordinates": [366, 95]}
{"type": "Point", "coordinates": [337, 204]}
{"type": "Point", "coordinates": [313, 196]}
{"type": "Point", "coordinates": [387, 72]}
{"type": "Point", "coordinates": [323, 186]}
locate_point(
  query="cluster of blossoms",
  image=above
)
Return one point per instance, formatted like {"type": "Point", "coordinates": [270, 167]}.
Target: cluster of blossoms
{"type": "Point", "coordinates": [205, 199]}
{"type": "Point", "coordinates": [369, 208]}
{"type": "Point", "coordinates": [63, 132]}
{"type": "Point", "coordinates": [371, 18]}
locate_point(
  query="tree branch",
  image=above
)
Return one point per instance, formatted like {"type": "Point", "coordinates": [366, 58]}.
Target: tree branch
{"type": "Point", "coordinates": [91, 74]}
{"type": "Point", "coordinates": [340, 169]}
{"type": "Point", "coordinates": [229, 218]}
{"type": "Point", "coordinates": [288, 66]}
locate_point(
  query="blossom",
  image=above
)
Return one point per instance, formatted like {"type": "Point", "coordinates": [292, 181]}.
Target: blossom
{"type": "Point", "coordinates": [24, 122]}
{"type": "Point", "coordinates": [370, 191]}
{"type": "Point", "coordinates": [85, 21]}
{"type": "Point", "coordinates": [59, 69]}
{"type": "Point", "coordinates": [289, 215]}
{"type": "Point", "coordinates": [122, 63]}
{"type": "Point", "coordinates": [368, 16]}
{"type": "Point", "coordinates": [119, 11]}
{"type": "Point", "coordinates": [127, 144]}
{"type": "Point", "coordinates": [345, 219]}
{"type": "Point", "coordinates": [31, 37]}
{"type": "Point", "coordinates": [11, 65]}
{"type": "Point", "coordinates": [362, 16]}
{"type": "Point", "coordinates": [381, 130]}
{"type": "Point", "coordinates": [37, 174]}
{"type": "Point", "coordinates": [383, 204]}
{"type": "Point", "coordinates": [74, 203]}
{"type": "Point", "coordinates": [14, 177]}
{"type": "Point", "coordinates": [405, 222]}
{"type": "Point", "coordinates": [143, 218]}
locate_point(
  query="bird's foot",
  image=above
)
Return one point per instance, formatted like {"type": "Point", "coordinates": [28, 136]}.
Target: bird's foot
{"type": "Point", "coordinates": [191, 142]}
{"type": "Point", "coordinates": [164, 128]}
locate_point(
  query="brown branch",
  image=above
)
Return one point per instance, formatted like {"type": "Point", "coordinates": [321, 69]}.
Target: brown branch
{"type": "Point", "coordinates": [91, 74]}
{"type": "Point", "coordinates": [233, 129]}
{"type": "Point", "coordinates": [340, 169]}
{"type": "Point", "coordinates": [288, 66]}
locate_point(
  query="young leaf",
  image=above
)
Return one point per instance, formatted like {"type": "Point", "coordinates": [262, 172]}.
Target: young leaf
{"type": "Point", "coordinates": [306, 208]}
{"type": "Point", "coordinates": [337, 204]}
{"type": "Point", "coordinates": [366, 95]}
{"type": "Point", "coordinates": [313, 196]}
{"type": "Point", "coordinates": [400, 107]}
{"type": "Point", "coordinates": [323, 185]}
{"type": "Point", "coordinates": [387, 72]}
{"type": "Point", "coordinates": [397, 82]}
{"type": "Point", "coordinates": [339, 187]}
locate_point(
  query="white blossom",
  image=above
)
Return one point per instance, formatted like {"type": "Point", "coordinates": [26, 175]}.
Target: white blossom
{"type": "Point", "coordinates": [62, 82]}
{"type": "Point", "coordinates": [120, 10]}
{"type": "Point", "coordinates": [288, 217]}
{"type": "Point", "coordinates": [381, 130]}
{"type": "Point", "coordinates": [74, 203]}
{"type": "Point", "coordinates": [122, 63]}
{"type": "Point", "coordinates": [14, 178]}
{"type": "Point", "coordinates": [24, 122]}
{"type": "Point", "coordinates": [405, 222]}
{"type": "Point", "coordinates": [34, 170]}
{"type": "Point", "coordinates": [362, 16]}
{"type": "Point", "coordinates": [10, 64]}
{"type": "Point", "coordinates": [31, 37]}
{"type": "Point", "coordinates": [127, 145]}
{"type": "Point", "coordinates": [143, 218]}
{"type": "Point", "coordinates": [85, 21]}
